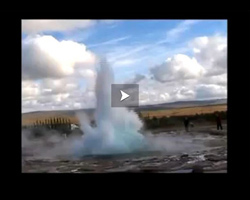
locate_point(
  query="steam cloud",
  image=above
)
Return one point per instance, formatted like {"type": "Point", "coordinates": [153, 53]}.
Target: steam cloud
{"type": "Point", "coordinates": [117, 128]}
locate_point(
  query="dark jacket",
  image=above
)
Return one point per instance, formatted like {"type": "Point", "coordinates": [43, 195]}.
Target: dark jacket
{"type": "Point", "coordinates": [186, 122]}
{"type": "Point", "coordinates": [218, 120]}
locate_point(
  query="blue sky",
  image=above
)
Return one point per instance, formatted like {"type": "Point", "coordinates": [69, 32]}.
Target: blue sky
{"type": "Point", "coordinates": [134, 47]}
{"type": "Point", "coordinates": [139, 44]}
{"type": "Point", "coordinates": [139, 30]}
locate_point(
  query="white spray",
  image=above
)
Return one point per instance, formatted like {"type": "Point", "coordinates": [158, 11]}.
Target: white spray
{"type": "Point", "coordinates": [117, 128]}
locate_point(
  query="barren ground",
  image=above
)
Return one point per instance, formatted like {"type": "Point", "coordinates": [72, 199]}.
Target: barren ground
{"type": "Point", "coordinates": [210, 159]}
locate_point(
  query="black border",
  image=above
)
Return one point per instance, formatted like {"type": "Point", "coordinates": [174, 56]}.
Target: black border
{"type": "Point", "coordinates": [238, 88]}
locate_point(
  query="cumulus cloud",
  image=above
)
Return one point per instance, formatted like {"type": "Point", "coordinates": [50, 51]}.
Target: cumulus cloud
{"type": "Point", "coordinates": [164, 97]}
{"type": "Point", "coordinates": [57, 86]}
{"type": "Point", "coordinates": [57, 99]}
{"type": "Point", "coordinates": [56, 94]}
{"type": "Point", "coordinates": [183, 93]}
{"type": "Point", "coordinates": [210, 59]}
{"type": "Point", "coordinates": [203, 76]}
{"type": "Point", "coordinates": [45, 56]}
{"type": "Point", "coordinates": [211, 53]}
{"type": "Point", "coordinates": [34, 26]}
{"type": "Point", "coordinates": [87, 73]}
{"type": "Point", "coordinates": [154, 92]}
{"type": "Point", "coordinates": [30, 89]}
{"type": "Point", "coordinates": [62, 101]}
{"type": "Point", "coordinates": [178, 67]}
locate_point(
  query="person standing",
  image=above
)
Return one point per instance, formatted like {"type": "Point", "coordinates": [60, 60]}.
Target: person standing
{"type": "Point", "coordinates": [218, 121]}
{"type": "Point", "coordinates": [186, 124]}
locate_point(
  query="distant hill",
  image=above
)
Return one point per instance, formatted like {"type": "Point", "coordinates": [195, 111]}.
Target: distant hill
{"type": "Point", "coordinates": [165, 106]}
{"type": "Point", "coordinates": [182, 104]}
{"type": "Point", "coordinates": [58, 112]}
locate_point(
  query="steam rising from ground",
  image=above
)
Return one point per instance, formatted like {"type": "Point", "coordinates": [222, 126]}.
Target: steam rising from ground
{"type": "Point", "coordinates": [54, 145]}
{"type": "Point", "coordinates": [51, 145]}
{"type": "Point", "coordinates": [117, 128]}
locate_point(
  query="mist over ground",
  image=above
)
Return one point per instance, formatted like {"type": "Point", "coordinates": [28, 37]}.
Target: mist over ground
{"type": "Point", "coordinates": [53, 145]}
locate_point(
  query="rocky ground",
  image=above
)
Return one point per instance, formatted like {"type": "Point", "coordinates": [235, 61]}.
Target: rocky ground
{"type": "Point", "coordinates": [211, 159]}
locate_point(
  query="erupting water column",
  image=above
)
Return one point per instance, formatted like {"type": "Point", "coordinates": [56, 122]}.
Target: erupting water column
{"type": "Point", "coordinates": [117, 128]}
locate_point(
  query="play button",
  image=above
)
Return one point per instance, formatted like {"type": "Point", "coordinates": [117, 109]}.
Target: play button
{"type": "Point", "coordinates": [124, 95]}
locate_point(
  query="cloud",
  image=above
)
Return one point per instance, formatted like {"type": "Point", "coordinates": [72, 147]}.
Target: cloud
{"type": "Point", "coordinates": [211, 53]}
{"type": "Point", "coordinates": [58, 86]}
{"type": "Point", "coordinates": [109, 21]}
{"type": "Point", "coordinates": [30, 89]}
{"type": "Point", "coordinates": [209, 60]}
{"type": "Point", "coordinates": [131, 54]}
{"type": "Point", "coordinates": [176, 32]}
{"type": "Point", "coordinates": [215, 80]}
{"type": "Point", "coordinates": [165, 96]}
{"type": "Point", "coordinates": [178, 67]}
{"type": "Point", "coordinates": [183, 93]}
{"type": "Point", "coordinates": [109, 42]}
{"type": "Point", "coordinates": [124, 62]}
{"type": "Point", "coordinates": [210, 91]}
{"type": "Point", "coordinates": [137, 78]}
{"type": "Point", "coordinates": [154, 92]}
{"type": "Point", "coordinates": [56, 94]}
{"type": "Point", "coordinates": [35, 26]}
{"type": "Point", "coordinates": [73, 99]}
{"type": "Point", "coordinates": [125, 51]}
{"type": "Point", "coordinates": [45, 56]}
{"type": "Point", "coordinates": [204, 76]}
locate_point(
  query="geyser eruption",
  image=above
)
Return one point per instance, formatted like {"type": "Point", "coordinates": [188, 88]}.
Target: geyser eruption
{"type": "Point", "coordinates": [116, 129]}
